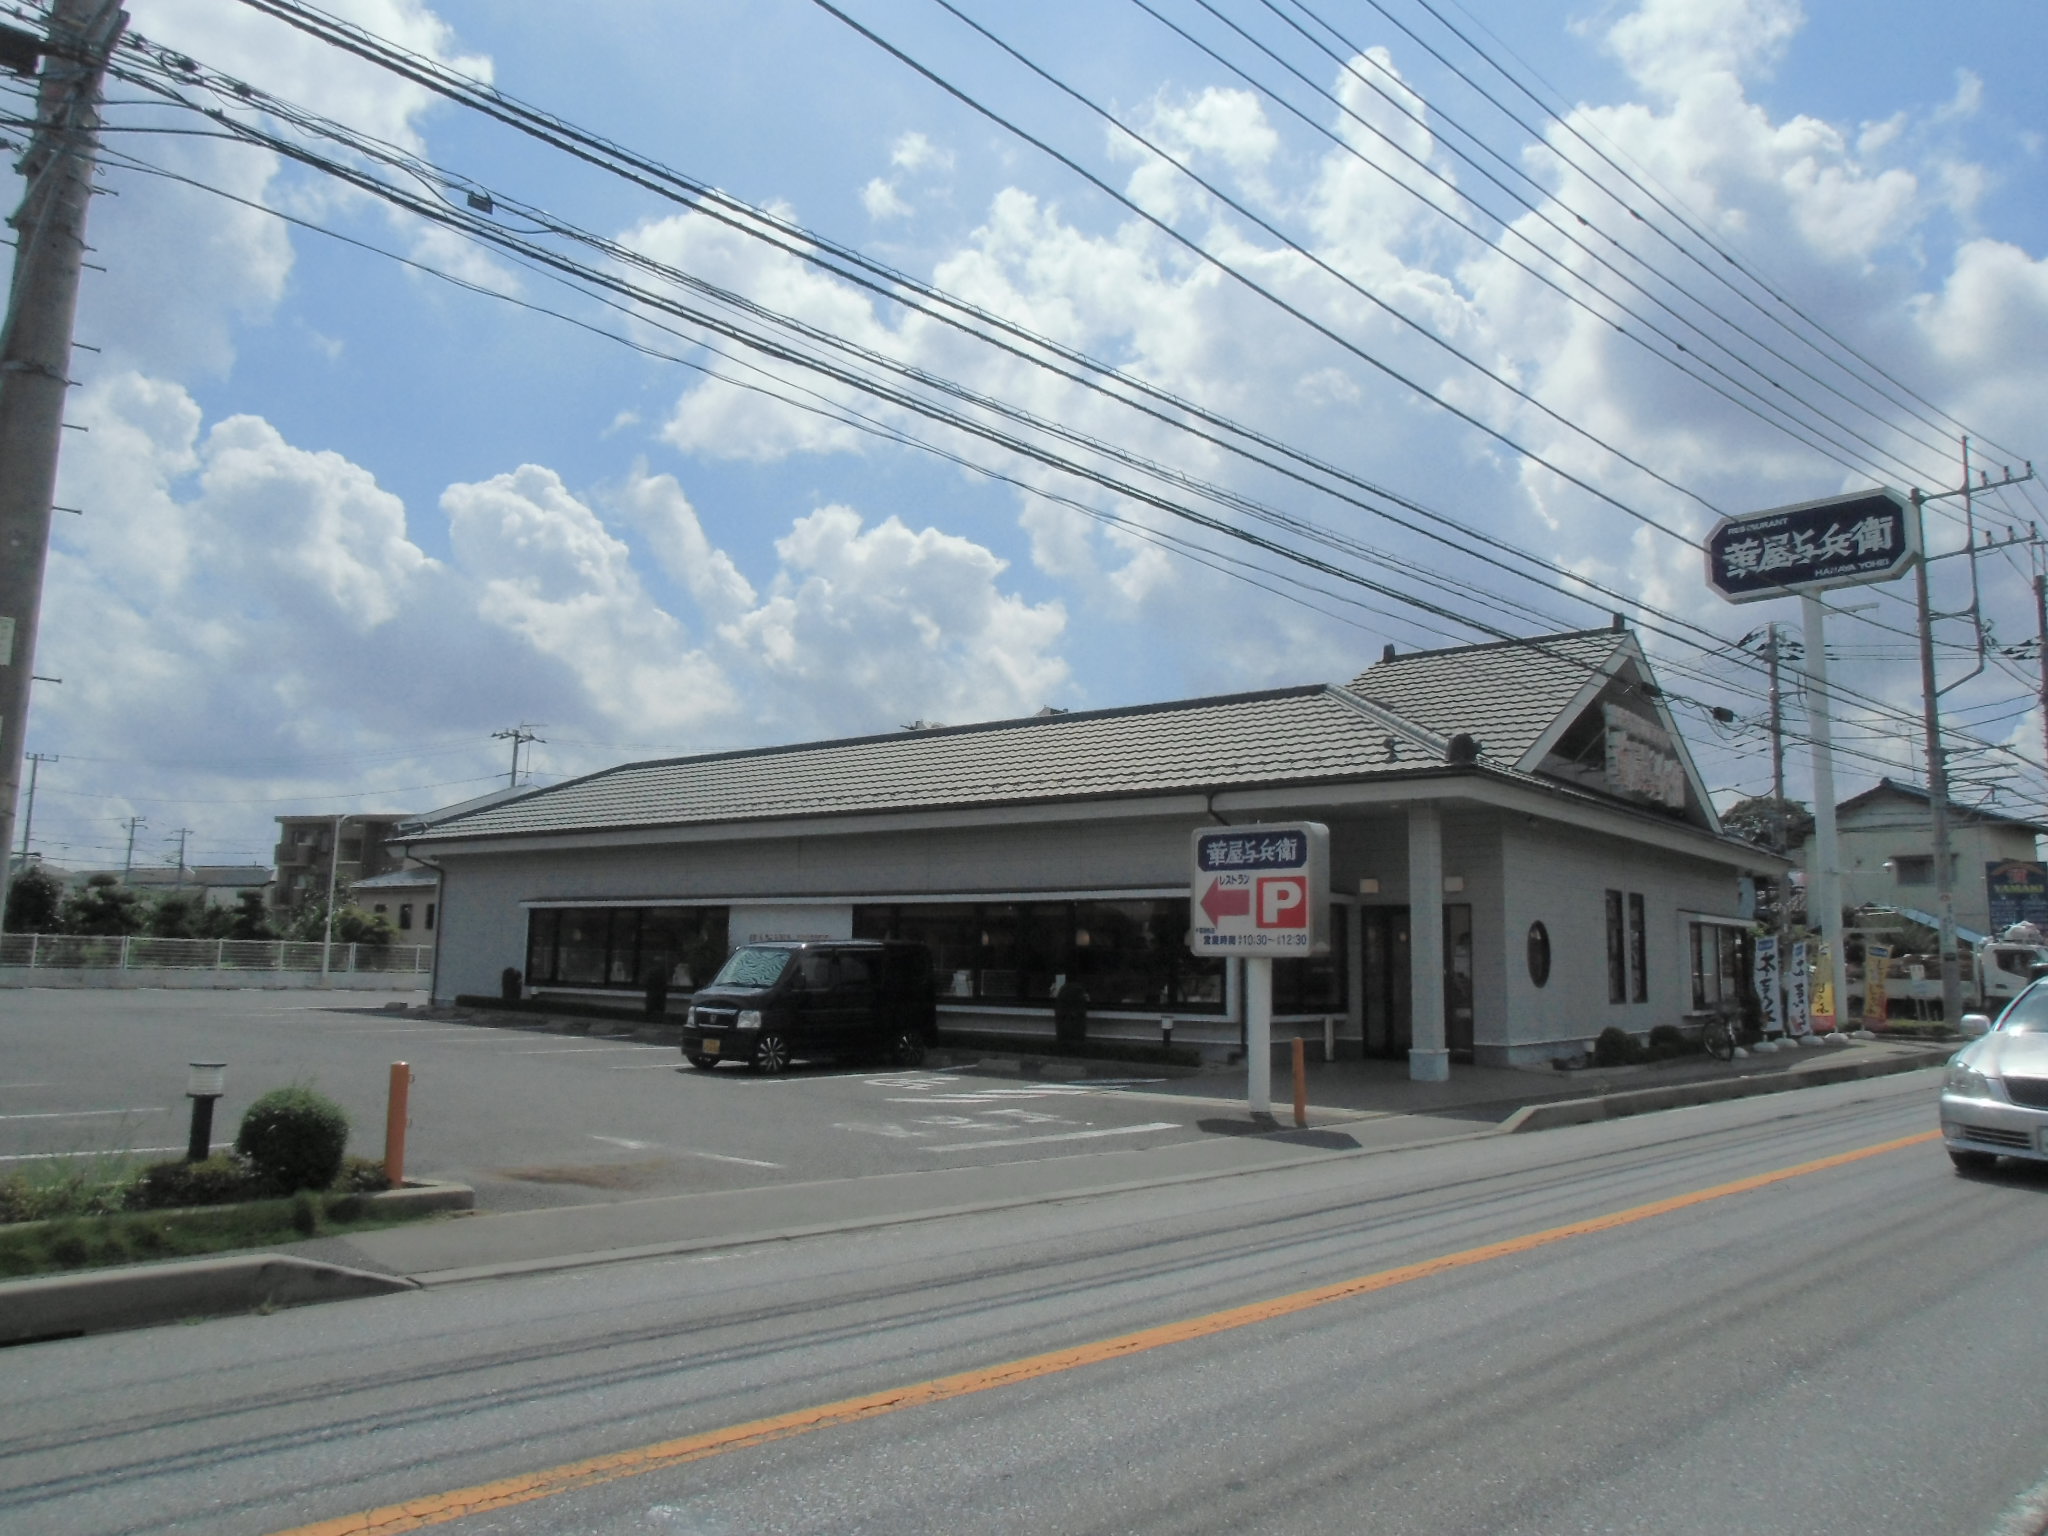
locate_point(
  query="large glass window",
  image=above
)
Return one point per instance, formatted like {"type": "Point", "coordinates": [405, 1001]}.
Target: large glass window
{"type": "Point", "coordinates": [1127, 954]}
{"type": "Point", "coordinates": [1318, 985]}
{"type": "Point", "coordinates": [624, 947]}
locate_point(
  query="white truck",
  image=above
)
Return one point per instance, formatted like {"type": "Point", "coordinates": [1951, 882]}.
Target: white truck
{"type": "Point", "coordinates": [2001, 970]}
{"type": "Point", "coordinates": [1994, 973]}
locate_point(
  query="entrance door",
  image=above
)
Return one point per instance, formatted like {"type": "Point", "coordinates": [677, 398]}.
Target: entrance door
{"type": "Point", "coordinates": [1389, 1016]}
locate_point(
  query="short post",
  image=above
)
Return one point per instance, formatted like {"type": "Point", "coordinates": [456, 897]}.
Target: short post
{"type": "Point", "coordinates": [205, 1082]}
{"type": "Point", "coordinates": [1166, 1031]}
{"type": "Point", "coordinates": [395, 1114]}
{"type": "Point", "coordinates": [1329, 1037]}
{"type": "Point", "coordinates": [1300, 1083]}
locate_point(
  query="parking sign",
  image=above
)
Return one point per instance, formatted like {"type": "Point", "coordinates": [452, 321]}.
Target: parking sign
{"type": "Point", "coordinates": [1260, 890]}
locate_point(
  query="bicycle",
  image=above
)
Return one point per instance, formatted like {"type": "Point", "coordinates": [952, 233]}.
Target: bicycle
{"type": "Point", "coordinates": [1721, 1036]}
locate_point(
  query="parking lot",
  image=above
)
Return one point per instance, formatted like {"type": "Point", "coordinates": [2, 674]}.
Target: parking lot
{"type": "Point", "coordinates": [530, 1117]}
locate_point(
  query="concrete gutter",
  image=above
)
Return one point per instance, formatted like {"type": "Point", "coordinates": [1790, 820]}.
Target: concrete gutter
{"type": "Point", "coordinates": [1643, 1101]}
{"type": "Point", "coordinates": [137, 1296]}
{"type": "Point", "coordinates": [141, 1295]}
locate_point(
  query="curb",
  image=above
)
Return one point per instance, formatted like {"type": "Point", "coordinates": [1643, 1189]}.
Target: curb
{"type": "Point", "coordinates": [422, 1195]}
{"type": "Point", "coordinates": [1640, 1101]}
{"type": "Point", "coordinates": [66, 1306]}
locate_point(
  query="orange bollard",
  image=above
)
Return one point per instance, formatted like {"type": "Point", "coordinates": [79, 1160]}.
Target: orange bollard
{"type": "Point", "coordinates": [395, 1122]}
{"type": "Point", "coordinates": [1300, 1083]}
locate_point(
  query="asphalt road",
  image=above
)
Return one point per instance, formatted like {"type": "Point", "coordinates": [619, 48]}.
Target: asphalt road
{"type": "Point", "coordinates": [1849, 1348]}
{"type": "Point", "coordinates": [527, 1117]}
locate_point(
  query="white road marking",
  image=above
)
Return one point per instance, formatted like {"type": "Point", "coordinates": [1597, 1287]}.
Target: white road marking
{"type": "Point", "coordinates": [654, 1146]}
{"type": "Point", "coordinates": [1029, 1141]}
{"type": "Point", "coordinates": [647, 1066]}
{"type": "Point", "coordinates": [86, 1114]}
{"type": "Point", "coordinates": [25, 1085]}
{"type": "Point", "coordinates": [37, 1157]}
{"type": "Point", "coordinates": [578, 1050]}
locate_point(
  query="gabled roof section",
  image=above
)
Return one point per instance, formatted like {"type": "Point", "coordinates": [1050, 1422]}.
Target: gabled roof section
{"type": "Point", "coordinates": [1508, 693]}
{"type": "Point", "coordinates": [1550, 705]}
{"type": "Point", "coordinates": [1919, 796]}
{"type": "Point", "coordinates": [1284, 736]}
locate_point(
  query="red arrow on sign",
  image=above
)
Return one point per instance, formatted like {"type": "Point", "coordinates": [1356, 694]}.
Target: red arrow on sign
{"type": "Point", "coordinates": [1220, 901]}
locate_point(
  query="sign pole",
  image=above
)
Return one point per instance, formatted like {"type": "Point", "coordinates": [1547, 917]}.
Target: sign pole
{"type": "Point", "coordinates": [1258, 1034]}
{"type": "Point", "coordinates": [1824, 876]}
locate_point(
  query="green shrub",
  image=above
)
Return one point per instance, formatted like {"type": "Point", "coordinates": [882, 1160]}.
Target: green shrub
{"type": "Point", "coordinates": [73, 1193]}
{"type": "Point", "coordinates": [362, 1176]}
{"type": "Point", "coordinates": [1615, 1047]}
{"type": "Point", "coordinates": [295, 1137]}
{"type": "Point", "coordinates": [1666, 1041]}
{"type": "Point", "coordinates": [222, 1179]}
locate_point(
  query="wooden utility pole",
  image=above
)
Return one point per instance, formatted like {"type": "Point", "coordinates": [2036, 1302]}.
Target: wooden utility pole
{"type": "Point", "coordinates": [35, 340]}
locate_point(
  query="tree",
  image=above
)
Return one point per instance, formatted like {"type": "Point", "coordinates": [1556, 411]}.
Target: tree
{"type": "Point", "coordinates": [105, 907]}
{"type": "Point", "coordinates": [249, 918]}
{"type": "Point", "coordinates": [177, 916]}
{"type": "Point", "coordinates": [1781, 825]}
{"type": "Point", "coordinates": [35, 902]}
{"type": "Point", "coordinates": [352, 925]}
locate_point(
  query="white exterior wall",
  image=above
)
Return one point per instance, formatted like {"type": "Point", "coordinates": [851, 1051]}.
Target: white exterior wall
{"type": "Point", "coordinates": [483, 896]}
{"type": "Point", "coordinates": [1561, 877]}
{"type": "Point", "coordinates": [1867, 879]}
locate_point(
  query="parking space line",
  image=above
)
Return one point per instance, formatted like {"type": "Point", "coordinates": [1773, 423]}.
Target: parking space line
{"type": "Point", "coordinates": [37, 1157]}
{"type": "Point", "coordinates": [86, 1114]}
{"type": "Point", "coordinates": [655, 1146]}
{"type": "Point", "coordinates": [1032, 1141]}
{"type": "Point", "coordinates": [578, 1050]}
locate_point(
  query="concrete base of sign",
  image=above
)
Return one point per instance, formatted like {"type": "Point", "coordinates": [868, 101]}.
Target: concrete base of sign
{"type": "Point", "coordinates": [1429, 1066]}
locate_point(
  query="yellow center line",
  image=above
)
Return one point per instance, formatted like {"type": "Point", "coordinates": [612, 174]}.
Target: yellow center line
{"type": "Point", "coordinates": [438, 1508]}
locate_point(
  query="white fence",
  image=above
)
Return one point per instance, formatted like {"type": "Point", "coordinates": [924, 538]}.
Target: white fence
{"type": "Point", "coordinates": [72, 951]}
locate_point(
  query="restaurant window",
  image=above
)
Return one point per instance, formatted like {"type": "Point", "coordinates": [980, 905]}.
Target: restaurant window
{"type": "Point", "coordinates": [1716, 963]}
{"type": "Point", "coordinates": [1638, 950]}
{"type": "Point", "coordinates": [622, 947]}
{"type": "Point", "coordinates": [1617, 951]}
{"type": "Point", "coordinates": [404, 915]}
{"type": "Point", "coordinates": [1316, 985]}
{"type": "Point", "coordinates": [1125, 954]}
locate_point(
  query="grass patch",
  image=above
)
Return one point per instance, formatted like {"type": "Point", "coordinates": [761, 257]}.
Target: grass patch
{"type": "Point", "coordinates": [74, 1242]}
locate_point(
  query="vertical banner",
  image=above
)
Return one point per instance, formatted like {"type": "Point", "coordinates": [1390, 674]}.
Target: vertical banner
{"type": "Point", "coordinates": [1824, 1010]}
{"type": "Point", "coordinates": [1764, 977]}
{"type": "Point", "coordinates": [1877, 958]}
{"type": "Point", "coordinates": [1798, 991]}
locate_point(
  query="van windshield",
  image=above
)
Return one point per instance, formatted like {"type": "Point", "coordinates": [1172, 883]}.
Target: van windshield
{"type": "Point", "coordinates": [751, 967]}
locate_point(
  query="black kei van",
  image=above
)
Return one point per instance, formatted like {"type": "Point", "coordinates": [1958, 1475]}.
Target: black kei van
{"type": "Point", "coordinates": [774, 1002]}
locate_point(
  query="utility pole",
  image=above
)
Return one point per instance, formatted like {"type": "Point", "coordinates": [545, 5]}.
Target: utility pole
{"type": "Point", "coordinates": [1937, 756]}
{"type": "Point", "coordinates": [2041, 618]}
{"type": "Point", "coordinates": [35, 340]}
{"type": "Point", "coordinates": [518, 735]}
{"type": "Point", "coordinates": [183, 833]}
{"type": "Point", "coordinates": [128, 863]}
{"type": "Point", "coordinates": [1777, 726]}
{"type": "Point", "coordinates": [28, 821]}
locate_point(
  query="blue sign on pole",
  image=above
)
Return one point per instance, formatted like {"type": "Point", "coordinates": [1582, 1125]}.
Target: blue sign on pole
{"type": "Point", "coordinates": [1841, 541]}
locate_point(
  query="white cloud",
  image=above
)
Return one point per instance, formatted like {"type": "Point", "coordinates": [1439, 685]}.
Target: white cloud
{"type": "Point", "coordinates": [910, 622]}
{"type": "Point", "coordinates": [1670, 46]}
{"type": "Point", "coordinates": [915, 153]}
{"type": "Point", "coordinates": [880, 199]}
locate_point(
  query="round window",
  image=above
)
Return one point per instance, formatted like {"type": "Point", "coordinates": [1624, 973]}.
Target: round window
{"type": "Point", "coordinates": [1539, 953]}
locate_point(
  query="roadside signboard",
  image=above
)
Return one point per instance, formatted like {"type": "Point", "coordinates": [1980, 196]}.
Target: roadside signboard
{"type": "Point", "coordinates": [1837, 542]}
{"type": "Point", "coordinates": [1764, 977]}
{"type": "Point", "coordinates": [1798, 992]}
{"type": "Point", "coordinates": [1262, 891]}
{"type": "Point", "coordinates": [2018, 889]}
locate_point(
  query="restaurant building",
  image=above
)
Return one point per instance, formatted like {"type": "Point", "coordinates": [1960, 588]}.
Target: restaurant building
{"type": "Point", "coordinates": [1521, 855]}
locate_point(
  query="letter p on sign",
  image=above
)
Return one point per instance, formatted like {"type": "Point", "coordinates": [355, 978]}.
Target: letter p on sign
{"type": "Point", "coordinates": [1283, 902]}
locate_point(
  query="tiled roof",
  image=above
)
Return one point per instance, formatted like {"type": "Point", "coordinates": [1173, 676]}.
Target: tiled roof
{"type": "Point", "coordinates": [1507, 694]}
{"type": "Point", "coordinates": [1285, 736]}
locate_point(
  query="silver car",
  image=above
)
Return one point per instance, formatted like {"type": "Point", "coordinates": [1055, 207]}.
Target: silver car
{"type": "Point", "coordinates": [1994, 1101]}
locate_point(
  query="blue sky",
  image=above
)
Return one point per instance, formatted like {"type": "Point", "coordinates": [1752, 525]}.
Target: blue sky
{"type": "Point", "coordinates": [344, 519]}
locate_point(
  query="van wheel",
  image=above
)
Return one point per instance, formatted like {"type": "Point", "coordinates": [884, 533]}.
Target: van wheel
{"type": "Point", "coordinates": [703, 1063]}
{"type": "Point", "coordinates": [771, 1055]}
{"type": "Point", "coordinates": [906, 1048]}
